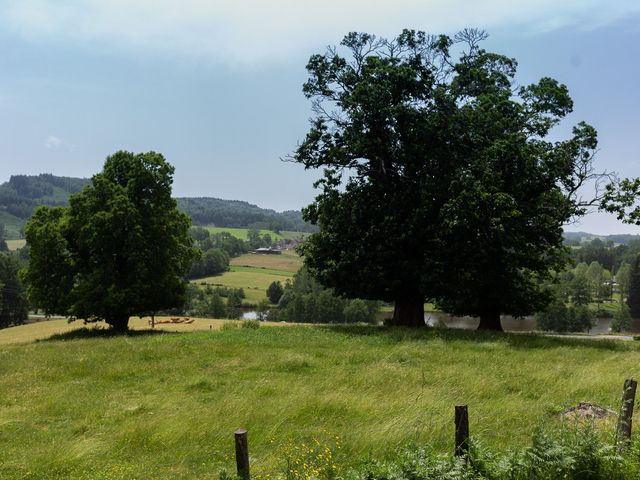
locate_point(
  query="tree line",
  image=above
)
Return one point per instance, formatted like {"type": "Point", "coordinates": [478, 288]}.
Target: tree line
{"type": "Point", "coordinates": [216, 249]}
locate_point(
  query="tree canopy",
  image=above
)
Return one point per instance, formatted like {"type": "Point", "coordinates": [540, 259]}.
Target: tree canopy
{"type": "Point", "coordinates": [120, 248]}
{"type": "Point", "coordinates": [439, 183]}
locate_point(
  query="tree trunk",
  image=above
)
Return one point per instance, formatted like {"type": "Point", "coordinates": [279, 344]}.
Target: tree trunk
{"type": "Point", "coordinates": [409, 312]}
{"type": "Point", "coordinates": [490, 321]}
{"type": "Point", "coordinates": [119, 323]}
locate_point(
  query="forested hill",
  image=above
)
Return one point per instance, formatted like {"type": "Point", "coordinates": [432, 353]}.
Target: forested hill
{"type": "Point", "coordinates": [23, 193]}
{"type": "Point", "coordinates": [20, 196]}
{"type": "Point", "coordinates": [239, 214]}
{"type": "Point", "coordinates": [579, 238]}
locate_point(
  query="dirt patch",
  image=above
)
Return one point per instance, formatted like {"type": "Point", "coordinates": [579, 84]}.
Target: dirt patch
{"type": "Point", "coordinates": [586, 411]}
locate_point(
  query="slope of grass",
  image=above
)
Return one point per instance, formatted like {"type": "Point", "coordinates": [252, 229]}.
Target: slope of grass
{"type": "Point", "coordinates": [254, 273]}
{"type": "Point", "coordinates": [254, 282]}
{"type": "Point", "coordinates": [12, 225]}
{"type": "Point", "coordinates": [288, 261]}
{"type": "Point", "coordinates": [242, 233]}
{"type": "Point", "coordinates": [165, 405]}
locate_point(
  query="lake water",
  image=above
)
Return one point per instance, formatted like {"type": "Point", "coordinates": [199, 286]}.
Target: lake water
{"type": "Point", "coordinates": [510, 324]}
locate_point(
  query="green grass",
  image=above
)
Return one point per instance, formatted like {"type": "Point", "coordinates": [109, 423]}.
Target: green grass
{"type": "Point", "coordinates": [254, 273]}
{"type": "Point", "coordinates": [242, 233]}
{"type": "Point", "coordinates": [254, 282]}
{"type": "Point", "coordinates": [165, 406]}
{"type": "Point", "coordinates": [12, 225]}
{"type": "Point", "coordinates": [288, 261]}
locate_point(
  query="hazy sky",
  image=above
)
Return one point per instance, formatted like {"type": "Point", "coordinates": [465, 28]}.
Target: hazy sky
{"type": "Point", "coordinates": [216, 85]}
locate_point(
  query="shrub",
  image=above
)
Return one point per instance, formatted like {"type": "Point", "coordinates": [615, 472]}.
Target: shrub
{"type": "Point", "coordinates": [621, 319]}
{"type": "Point", "coordinates": [251, 324]}
{"type": "Point", "coordinates": [559, 317]}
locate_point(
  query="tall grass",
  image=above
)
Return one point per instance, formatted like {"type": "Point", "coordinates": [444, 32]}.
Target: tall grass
{"type": "Point", "coordinates": [165, 405]}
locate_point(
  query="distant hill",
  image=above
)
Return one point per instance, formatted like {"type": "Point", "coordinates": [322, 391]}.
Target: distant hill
{"type": "Point", "coordinates": [22, 194]}
{"type": "Point", "coordinates": [239, 214]}
{"type": "Point", "coordinates": [584, 237]}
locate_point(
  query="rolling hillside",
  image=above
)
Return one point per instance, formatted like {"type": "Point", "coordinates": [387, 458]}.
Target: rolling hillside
{"type": "Point", "coordinates": [22, 194]}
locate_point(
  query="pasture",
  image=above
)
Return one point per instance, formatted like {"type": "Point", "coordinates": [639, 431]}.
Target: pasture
{"type": "Point", "coordinates": [255, 272]}
{"type": "Point", "coordinates": [242, 233]}
{"type": "Point", "coordinates": [16, 244]}
{"type": "Point", "coordinates": [164, 405]}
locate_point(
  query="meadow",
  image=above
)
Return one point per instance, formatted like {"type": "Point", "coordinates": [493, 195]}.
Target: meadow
{"type": "Point", "coordinates": [13, 245]}
{"type": "Point", "coordinates": [242, 233]}
{"type": "Point", "coordinates": [255, 272]}
{"type": "Point", "coordinates": [164, 405]}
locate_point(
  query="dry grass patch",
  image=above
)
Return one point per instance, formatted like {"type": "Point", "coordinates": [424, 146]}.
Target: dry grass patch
{"type": "Point", "coordinates": [287, 261]}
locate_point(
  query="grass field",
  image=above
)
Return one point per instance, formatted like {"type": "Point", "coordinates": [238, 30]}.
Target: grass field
{"type": "Point", "coordinates": [288, 262]}
{"type": "Point", "coordinates": [254, 282]}
{"type": "Point", "coordinates": [165, 405]}
{"type": "Point", "coordinates": [15, 244]}
{"type": "Point", "coordinates": [242, 233]}
{"type": "Point", "coordinates": [254, 273]}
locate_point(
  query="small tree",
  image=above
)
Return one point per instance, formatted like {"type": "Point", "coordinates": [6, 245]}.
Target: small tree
{"type": "Point", "coordinates": [275, 291]}
{"type": "Point", "coordinates": [580, 290]}
{"type": "Point", "coordinates": [356, 311]}
{"type": "Point", "coordinates": [634, 289]}
{"type": "Point", "coordinates": [621, 319]}
{"type": "Point", "coordinates": [121, 248]}
{"type": "Point", "coordinates": [623, 278]}
{"type": "Point", "coordinates": [3, 243]}
{"type": "Point", "coordinates": [13, 298]}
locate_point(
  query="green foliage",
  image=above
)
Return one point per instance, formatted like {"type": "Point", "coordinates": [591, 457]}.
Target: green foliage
{"type": "Point", "coordinates": [571, 454]}
{"type": "Point", "coordinates": [580, 290]}
{"type": "Point", "coordinates": [13, 297]}
{"type": "Point", "coordinates": [634, 289]}
{"type": "Point", "coordinates": [623, 279]}
{"type": "Point", "coordinates": [251, 324]}
{"type": "Point", "coordinates": [275, 291]}
{"type": "Point", "coordinates": [238, 214]}
{"type": "Point", "coordinates": [120, 249]}
{"type": "Point", "coordinates": [306, 300]}
{"type": "Point", "coordinates": [22, 194]}
{"type": "Point", "coordinates": [621, 319]}
{"type": "Point", "coordinates": [209, 302]}
{"type": "Point", "coordinates": [212, 262]}
{"type": "Point", "coordinates": [559, 317]}
{"type": "Point", "coordinates": [3, 243]}
{"type": "Point", "coordinates": [451, 192]}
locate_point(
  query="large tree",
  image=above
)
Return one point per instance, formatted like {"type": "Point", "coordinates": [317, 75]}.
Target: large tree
{"type": "Point", "coordinates": [120, 249]}
{"type": "Point", "coordinates": [438, 182]}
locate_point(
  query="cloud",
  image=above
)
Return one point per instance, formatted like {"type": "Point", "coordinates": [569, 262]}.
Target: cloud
{"type": "Point", "coordinates": [52, 142]}
{"type": "Point", "coordinates": [56, 143]}
{"type": "Point", "coordinates": [250, 31]}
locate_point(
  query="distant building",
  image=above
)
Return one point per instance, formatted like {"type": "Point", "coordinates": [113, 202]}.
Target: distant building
{"type": "Point", "coordinates": [268, 251]}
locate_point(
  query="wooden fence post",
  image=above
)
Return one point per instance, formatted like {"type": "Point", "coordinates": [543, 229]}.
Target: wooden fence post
{"type": "Point", "coordinates": [242, 453]}
{"type": "Point", "coordinates": [623, 434]}
{"type": "Point", "coordinates": [462, 430]}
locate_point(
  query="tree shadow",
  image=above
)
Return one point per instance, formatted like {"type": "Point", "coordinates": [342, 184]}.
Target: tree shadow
{"type": "Point", "coordinates": [93, 332]}
{"type": "Point", "coordinates": [525, 340]}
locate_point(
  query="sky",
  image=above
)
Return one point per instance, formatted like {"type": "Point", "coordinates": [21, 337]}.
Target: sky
{"type": "Point", "coordinates": [216, 86]}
